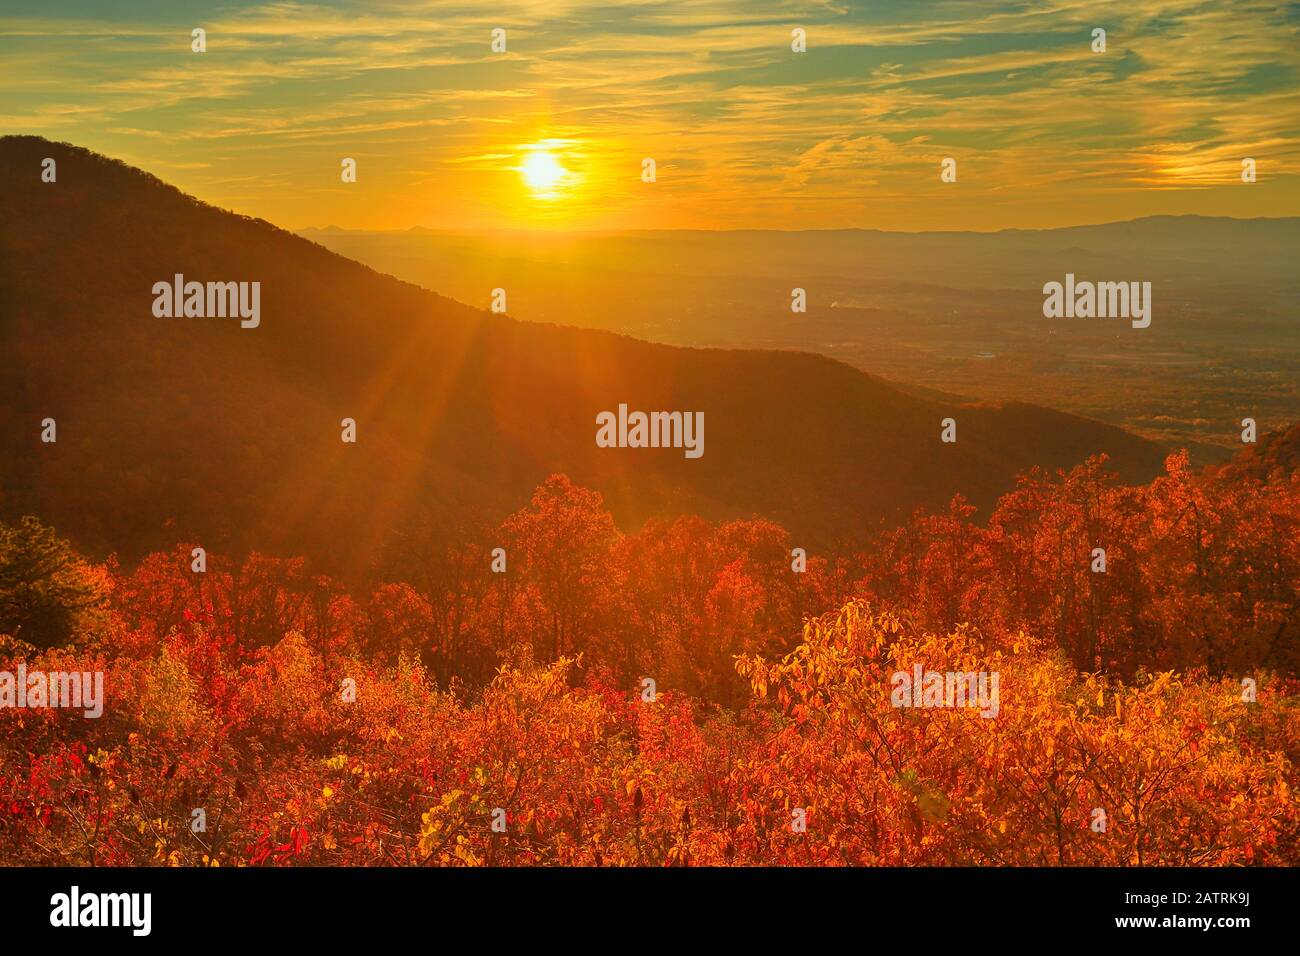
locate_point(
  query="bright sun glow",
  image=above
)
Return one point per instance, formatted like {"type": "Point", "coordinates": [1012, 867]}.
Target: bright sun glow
{"type": "Point", "coordinates": [543, 172]}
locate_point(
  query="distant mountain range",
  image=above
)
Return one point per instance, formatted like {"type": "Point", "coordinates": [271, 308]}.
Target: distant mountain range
{"type": "Point", "coordinates": [1166, 247]}
{"type": "Point", "coordinates": [194, 428]}
{"type": "Point", "coordinates": [940, 314]}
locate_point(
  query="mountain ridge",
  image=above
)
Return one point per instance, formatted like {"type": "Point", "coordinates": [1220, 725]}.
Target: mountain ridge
{"type": "Point", "coordinates": [197, 429]}
{"type": "Point", "coordinates": [855, 230]}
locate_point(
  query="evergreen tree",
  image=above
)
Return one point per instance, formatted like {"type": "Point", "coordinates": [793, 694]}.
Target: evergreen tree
{"type": "Point", "coordinates": [46, 590]}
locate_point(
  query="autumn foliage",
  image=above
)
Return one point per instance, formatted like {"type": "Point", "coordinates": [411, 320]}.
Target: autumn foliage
{"type": "Point", "coordinates": [517, 698]}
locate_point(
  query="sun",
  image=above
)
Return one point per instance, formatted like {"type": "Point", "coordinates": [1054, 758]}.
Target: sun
{"type": "Point", "coordinates": [543, 172]}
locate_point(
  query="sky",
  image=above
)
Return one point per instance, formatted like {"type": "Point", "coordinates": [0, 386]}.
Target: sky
{"type": "Point", "coordinates": [744, 132]}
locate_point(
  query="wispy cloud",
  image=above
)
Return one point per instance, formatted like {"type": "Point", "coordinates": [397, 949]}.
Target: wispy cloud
{"type": "Point", "coordinates": [745, 132]}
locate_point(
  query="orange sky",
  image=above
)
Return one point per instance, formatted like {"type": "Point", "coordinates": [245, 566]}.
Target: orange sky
{"type": "Point", "coordinates": [745, 132]}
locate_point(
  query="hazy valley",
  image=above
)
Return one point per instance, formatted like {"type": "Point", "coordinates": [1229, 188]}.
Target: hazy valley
{"type": "Point", "coordinates": [951, 313]}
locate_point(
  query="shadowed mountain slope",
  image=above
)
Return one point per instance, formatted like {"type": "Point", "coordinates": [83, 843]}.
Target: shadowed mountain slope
{"type": "Point", "coordinates": [198, 429]}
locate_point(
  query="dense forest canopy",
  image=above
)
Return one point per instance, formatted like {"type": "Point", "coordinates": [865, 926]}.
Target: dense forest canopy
{"type": "Point", "coordinates": [682, 694]}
